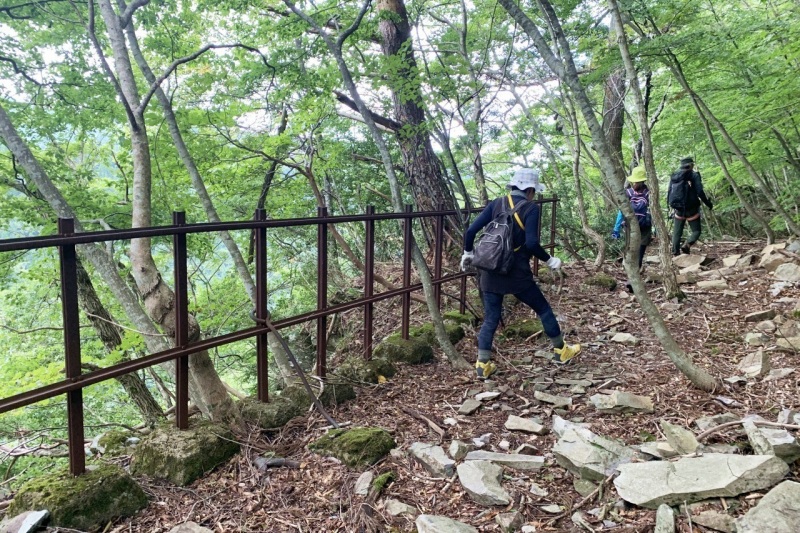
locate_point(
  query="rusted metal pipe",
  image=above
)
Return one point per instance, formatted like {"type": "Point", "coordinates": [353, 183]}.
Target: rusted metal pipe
{"type": "Point", "coordinates": [179, 256]}
{"type": "Point", "coordinates": [262, 344]}
{"type": "Point", "coordinates": [369, 280]}
{"type": "Point", "coordinates": [68, 262]}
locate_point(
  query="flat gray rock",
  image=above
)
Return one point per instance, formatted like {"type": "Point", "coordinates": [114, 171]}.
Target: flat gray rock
{"type": "Point", "coordinates": [427, 523]}
{"type": "Point", "coordinates": [398, 508]}
{"type": "Point", "coordinates": [625, 338]}
{"type": "Point", "coordinates": [469, 407]}
{"type": "Point", "coordinates": [707, 422]}
{"type": "Point", "coordinates": [773, 441]}
{"type": "Point", "coordinates": [364, 482]}
{"type": "Point", "coordinates": [756, 338]}
{"type": "Point", "coordinates": [712, 284]}
{"type": "Point", "coordinates": [459, 449]}
{"type": "Point", "coordinates": [787, 272]}
{"type": "Point", "coordinates": [518, 423]}
{"type": "Point", "coordinates": [433, 459]}
{"type": "Point", "coordinates": [777, 512]}
{"type": "Point", "coordinates": [697, 478]}
{"type": "Point", "coordinates": [486, 396]}
{"type": "Point", "coordinates": [715, 520]}
{"type": "Point", "coordinates": [687, 260]}
{"type": "Point", "coordinates": [583, 458]}
{"type": "Point", "coordinates": [665, 519]}
{"type": "Point", "coordinates": [536, 490]}
{"type": "Point", "coordinates": [758, 316]}
{"type": "Point", "coordinates": [557, 401]}
{"type": "Point", "coordinates": [778, 373]}
{"type": "Point", "coordinates": [682, 440]}
{"type": "Point", "coordinates": [622, 402]}
{"type": "Point", "coordinates": [659, 449]}
{"type": "Point", "coordinates": [512, 460]}
{"type": "Point", "coordinates": [481, 480]}
{"type": "Point", "coordinates": [26, 522]}
{"type": "Point", "coordinates": [754, 364]}
{"type": "Point", "coordinates": [509, 522]}
{"type": "Point", "coordinates": [560, 425]}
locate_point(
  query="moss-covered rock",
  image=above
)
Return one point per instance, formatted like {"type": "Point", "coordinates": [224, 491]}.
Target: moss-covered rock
{"type": "Point", "coordinates": [523, 329]}
{"type": "Point", "coordinates": [86, 502]}
{"type": "Point", "coordinates": [398, 350]}
{"type": "Point", "coordinates": [459, 318]}
{"type": "Point", "coordinates": [114, 442]}
{"type": "Point", "coordinates": [274, 414]}
{"type": "Point", "coordinates": [183, 456]}
{"type": "Point", "coordinates": [357, 447]}
{"type": "Point", "coordinates": [601, 279]}
{"type": "Point", "coordinates": [356, 369]}
{"type": "Point", "coordinates": [336, 392]}
{"type": "Point", "coordinates": [427, 334]}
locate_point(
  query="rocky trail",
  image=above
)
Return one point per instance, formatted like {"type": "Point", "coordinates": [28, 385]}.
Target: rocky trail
{"type": "Point", "coordinates": [596, 445]}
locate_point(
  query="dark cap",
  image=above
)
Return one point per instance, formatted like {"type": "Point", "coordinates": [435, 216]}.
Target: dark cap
{"type": "Point", "coordinates": [687, 162]}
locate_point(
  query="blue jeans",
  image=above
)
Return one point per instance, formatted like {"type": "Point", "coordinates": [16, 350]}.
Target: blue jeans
{"type": "Point", "coordinates": [493, 307]}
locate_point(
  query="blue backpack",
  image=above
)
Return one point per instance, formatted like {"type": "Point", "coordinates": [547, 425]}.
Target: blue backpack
{"type": "Point", "coordinates": [640, 203]}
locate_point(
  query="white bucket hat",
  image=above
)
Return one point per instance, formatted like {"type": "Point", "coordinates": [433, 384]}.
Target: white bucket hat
{"type": "Point", "coordinates": [526, 178]}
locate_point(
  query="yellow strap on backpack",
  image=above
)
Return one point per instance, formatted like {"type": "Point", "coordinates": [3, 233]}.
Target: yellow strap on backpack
{"type": "Point", "coordinates": [516, 217]}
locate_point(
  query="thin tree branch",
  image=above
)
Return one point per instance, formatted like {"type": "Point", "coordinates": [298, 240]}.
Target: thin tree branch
{"type": "Point", "coordinates": [378, 119]}
{"type": "Point", "coordinates": [127, 15]}
{"type": "Point", "coordinates": [186, 59]}
{"type": "Point", "coordinates": [354, 26]}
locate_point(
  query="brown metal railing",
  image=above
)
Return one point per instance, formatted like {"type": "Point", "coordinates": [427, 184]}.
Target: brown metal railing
{"type": "Point", "coordinates": [67, 240]}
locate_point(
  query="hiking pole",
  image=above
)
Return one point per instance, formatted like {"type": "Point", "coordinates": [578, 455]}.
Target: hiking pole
{"type": "Point", "coordinates": [296, 366]}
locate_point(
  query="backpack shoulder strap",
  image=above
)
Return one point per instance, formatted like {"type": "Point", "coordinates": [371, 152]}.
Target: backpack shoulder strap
{"type": "Point", "coordinates": [515, 211]}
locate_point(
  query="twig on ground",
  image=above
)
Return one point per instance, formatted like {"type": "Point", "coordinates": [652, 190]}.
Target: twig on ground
{"type": "Point", "coordinates": [431, 424]}
{"type": "Point", "coordinates": [720, 427]}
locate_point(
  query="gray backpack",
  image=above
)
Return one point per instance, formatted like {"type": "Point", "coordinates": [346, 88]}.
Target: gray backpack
{"type": "Point", "coordinates": [494, 249]}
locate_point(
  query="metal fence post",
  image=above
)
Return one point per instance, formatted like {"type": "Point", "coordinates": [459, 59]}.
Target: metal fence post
{"type": "Point", "coordinates": [322, 292]}
{"type": "Point", "coordinates": [181, 322]}
{"type": "Point", "coordinates": [369, 279]}
{"type": "Point", "coordinates": [408, 234]}
{"type": "Point", "coordinates": [437, 260]}
{"type": "Point", "coordinates": [68, 261]}
{"type": "Point", "coordinates": [262, 344]}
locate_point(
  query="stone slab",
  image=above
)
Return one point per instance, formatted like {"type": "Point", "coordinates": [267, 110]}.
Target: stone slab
{"type": "Point", "coordinates": [694, 479]}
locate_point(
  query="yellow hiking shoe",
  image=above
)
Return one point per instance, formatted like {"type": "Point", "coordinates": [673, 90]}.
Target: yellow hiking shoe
{"type": "Point", "coordinates": [484, 370]}
{"type": "Point", "coordinates": [563, 355]}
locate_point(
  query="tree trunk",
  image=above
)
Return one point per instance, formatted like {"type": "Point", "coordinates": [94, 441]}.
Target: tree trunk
{"type": "Point", "coordinates": [335, 48]}
{"type": "Point", "coordinates": [208, 391]}
{"type": "Point", "coordinates": [670, 281]}
{"type": "Point", "coordinates": [474, 127]}
{"type": "Point", "coordinates": [111, 336]}
{"type": "Point", "coordinates": [614, 102]}
{"type": "Point", "coordinates": [421, 164]}
{"type": "Point", "coordinates": [199, 186]}
{"type": "Point", "coordinates": [613, 175]}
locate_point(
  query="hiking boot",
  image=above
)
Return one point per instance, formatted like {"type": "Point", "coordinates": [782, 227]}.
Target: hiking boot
{"type": "Point", "coordinates": [563, 355]}
{"type": "Point", "coordinates": [685, 249]}
{"type": "Point", "coordinates": [484, 370]}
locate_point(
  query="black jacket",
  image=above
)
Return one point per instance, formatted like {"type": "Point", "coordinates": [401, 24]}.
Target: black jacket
{"type": "Point", "coordinates": [695, 192]}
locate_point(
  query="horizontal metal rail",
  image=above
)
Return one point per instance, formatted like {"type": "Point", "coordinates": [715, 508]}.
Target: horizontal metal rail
{"type": "Point", "coordinates": [67, 241]}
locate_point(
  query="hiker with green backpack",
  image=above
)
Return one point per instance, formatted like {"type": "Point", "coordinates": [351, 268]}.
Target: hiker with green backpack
{"type": "Point", "coordinates": [684, 195]}
{"type": "Point", "coordinates": [502, 255]}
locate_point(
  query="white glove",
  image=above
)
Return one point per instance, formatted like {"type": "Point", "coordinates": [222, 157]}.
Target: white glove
{"type": "Point", "coordinates": [554, 263]}
{"type": "Point", "coordinates": [466, 260]}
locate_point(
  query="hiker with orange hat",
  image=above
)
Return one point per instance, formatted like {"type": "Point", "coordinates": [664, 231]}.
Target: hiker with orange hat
{"type": "Point", "coordinates": [639, 196]}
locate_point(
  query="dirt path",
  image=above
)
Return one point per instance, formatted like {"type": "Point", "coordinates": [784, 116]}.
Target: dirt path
{"type": "Point", "coordinates": [318, 496]}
